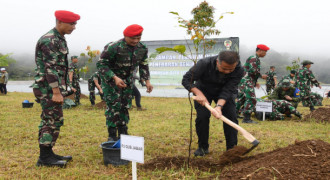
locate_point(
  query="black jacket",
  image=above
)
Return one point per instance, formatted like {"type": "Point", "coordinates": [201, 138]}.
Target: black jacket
{"type": "Point", "coordinates": [208, 79]}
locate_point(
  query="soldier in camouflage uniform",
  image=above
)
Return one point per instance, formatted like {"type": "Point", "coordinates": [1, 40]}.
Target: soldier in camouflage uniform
{"type": "Point", "coordinates": [271, 80]}
{"type": "Point", "coordinates": [94, 81]}
{"type": "Point", "coordinates": [74, 78]}
{"type": "Point", "coordinates": [304, 80]}
{"type": "Point", "coordinates": [281, 107]}
{"type": "Point", "coordinates": [285, 92]}
{"type": "Point", "coordinates": [246, 95]}
{"type": "Point", "coordinates": [51, 81]}
{"type": "Point", "coordinates": [290, 77]}
{"type": "Point", "coordinates": [116, 67]}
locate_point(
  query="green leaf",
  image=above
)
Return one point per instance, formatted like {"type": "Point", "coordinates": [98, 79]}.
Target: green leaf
{"type": "Point", "coordinates": [82, 54]}
{"type": "Point", "coordinates": [180, 48]}
{"type": "Point", "coordinates": [175, 13]}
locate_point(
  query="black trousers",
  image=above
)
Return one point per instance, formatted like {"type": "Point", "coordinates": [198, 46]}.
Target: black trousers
{"type": "Point", "coordinates": [137, 96]}
{"type": "Point", "coordinates": [203, 120]}
{"type": "Point", "coordinates": [3, 88]}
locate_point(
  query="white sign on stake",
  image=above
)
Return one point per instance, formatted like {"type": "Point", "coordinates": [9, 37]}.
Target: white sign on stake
{"type": "Point", "coordinates": [264, 107]}
{"type": "Point", "coordinates": [132, 148]}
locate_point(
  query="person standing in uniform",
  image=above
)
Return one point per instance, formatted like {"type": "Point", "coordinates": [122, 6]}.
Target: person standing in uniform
{"type": "Point", "coordinates": [246, 95]}
{"type": "Point", "coordinates": [94, 81]}
{"type": "Point", "coordinates": [74, 78]}
{"type": "Point", "coordinates": [214, 79]}
{"type": "Point", "coordinates": [271, 80]}
{"type": "Point", "coordinates": [116, 67]}
{"type": "Point", "coordinates": [304, 80]}
{"type": "Point", "coordinates": [51, 81]}
{"type": "Point", "coordinates": [3, 81]}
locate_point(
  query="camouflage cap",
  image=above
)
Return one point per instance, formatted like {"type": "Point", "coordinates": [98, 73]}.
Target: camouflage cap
{"type": "Point", "coordinates": [305, 62]}
{"type": "Point", "coordinates": [286, 83]}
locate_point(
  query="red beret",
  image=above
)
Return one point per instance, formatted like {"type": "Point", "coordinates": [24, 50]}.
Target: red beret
{"type": "Point", "coordinates": [263, 47]}
{"type": "Point", "coordinates": [133, 30]}
{"type": "Point", "coordinates": [66, 16]}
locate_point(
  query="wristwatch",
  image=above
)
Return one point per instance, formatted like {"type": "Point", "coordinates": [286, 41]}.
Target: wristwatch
{"type": "Point", "coordinates": [218, 105]}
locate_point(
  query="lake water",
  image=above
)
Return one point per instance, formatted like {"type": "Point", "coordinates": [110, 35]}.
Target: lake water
{"type": "Point", "coordinates": [158, 91]}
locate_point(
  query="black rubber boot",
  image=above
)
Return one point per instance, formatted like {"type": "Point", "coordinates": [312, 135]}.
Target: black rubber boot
{"type": "Point", "coordinates": [311, 108]}
{"type": "Point", "coordinates": [201, 151]}
{"type": "Point", "coordinates": [65, 158]}
{"type": "Point", "coordinates": [112, 134]}
{"type": "Point", "coordinates": [247, 119]}
{"type": "Point", "coordinates": [93, 103]}
{"type": "Point", "coordinates": [47, 159]}
{"type": "Point", "coordinates": [122, 130]}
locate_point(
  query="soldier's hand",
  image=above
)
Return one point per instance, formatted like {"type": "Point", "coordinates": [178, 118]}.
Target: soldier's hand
{"type": "Point", "coordinates": [292, 82]}
{"type": "Point", "coordinates": [288, 97]}
{"type": "Point", "coordinates": [57, 98]}
{"type": "Point", "coordinates": [264, 76]}
{"type": "Point", "coordinates": [101, 91]}
{"type": "Point", "coordinates": [257, 85]}
{"type": "Point", "coordinates": [74, 89]}
{"type": "Point", "coordinates": [149, 86]}
{"type": "Point", "coordinates": [119, 82]}
{"type": "Point", "coordinates": [320, 86]}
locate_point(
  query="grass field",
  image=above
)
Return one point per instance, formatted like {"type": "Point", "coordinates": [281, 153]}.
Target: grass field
{"type": "Point", "coordinates": [165, 127]}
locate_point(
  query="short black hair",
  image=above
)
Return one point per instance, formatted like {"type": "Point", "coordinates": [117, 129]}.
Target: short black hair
{"type": "Point", "coordinates": [230, 57]}
{"type": "Point", "coordinates": [272, 67]}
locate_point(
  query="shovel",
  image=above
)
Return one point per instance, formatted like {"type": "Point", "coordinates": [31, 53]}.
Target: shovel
{"type": "Point", "coordinates": [245, 134]}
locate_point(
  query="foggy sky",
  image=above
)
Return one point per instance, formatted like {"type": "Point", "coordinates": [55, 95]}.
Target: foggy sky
{"type": "Point", "coordinates": [293, 26]}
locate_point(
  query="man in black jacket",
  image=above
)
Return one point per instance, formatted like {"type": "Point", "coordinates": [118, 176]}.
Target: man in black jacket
{"type": "Point", "coordinates": [214, 79]}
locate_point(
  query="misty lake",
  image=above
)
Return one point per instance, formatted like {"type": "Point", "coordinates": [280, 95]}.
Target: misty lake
{"type": "Point", "coordinates": [23, 86]}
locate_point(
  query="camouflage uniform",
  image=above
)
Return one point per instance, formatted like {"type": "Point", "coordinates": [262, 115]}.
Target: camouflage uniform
{"type": "Point", "coordinates": [279, 93]}
{"type": "Point", "coordinates": [316, 100]}
{"type": "Point", "coordinates": [270, 82]}
{"type": "Point", "coordinates": [246, 95]}
{"type": "Point", "coordinates": [281, 107]}
{"type": "Point", "coordinates": [51, 72]}
{"type": "Point", "coordinates": [119, 59]}
{"type": "Point", "coordinates": [75, 82]}
{"type": "Point", "coordinates": [92, 86]}
{"type": "Point", "coordinates": [304, 79]}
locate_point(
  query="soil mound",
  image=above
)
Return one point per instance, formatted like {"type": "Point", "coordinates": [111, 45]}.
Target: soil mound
{"type": "Point", "coordinates": [303, 160]}
{"type": "Point", "coordinates": [82, 96]}
{"type": "Point", "coordinates": [101, 105]}
{"type": "Point", "coordinates": [320, 115]}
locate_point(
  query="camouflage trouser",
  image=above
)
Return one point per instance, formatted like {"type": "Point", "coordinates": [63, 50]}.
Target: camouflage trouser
{"type": "Point", "coordinates": [51, 116]}
{"type": "Point", "coordinates": [269, 88]}
{"type": "Point", "coordinates": [306, 98]}
{"type": "Point", "coordinates": [246, 98]}
{"type": "Point", "coordinates": [75, 84]}
{"type": "Point", "coordinates": [118, 102]}
{"type": "Point", "coordinates": [316, 100]}
{"type": "Point", "coordinates": [91, 89]}
{"type": "Point", "coordinates": [281, 107]}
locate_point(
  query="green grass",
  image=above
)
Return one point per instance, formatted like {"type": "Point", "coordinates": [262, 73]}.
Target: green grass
{"type": "Point", "coordinates": [165, 127]}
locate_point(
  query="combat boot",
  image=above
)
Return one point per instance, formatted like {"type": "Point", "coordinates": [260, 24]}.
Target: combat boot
{"type": "Point", "coordinates": [141, 109]}
{"type": "Point", "coordinates": [311, 108]}
{"type": "Point", "coordinates": [112, 134]}
{"type": "Point", "coordinates": [247, 119]}
{"type": "Point", "coordinates": [47, 159]}
{"type": "Point", "coordinates": [122, 130]}
{"type": "Point", "coordinates": [93, 103]}
{"type": "Point", "coordinates": [299, 116]}
{"type": "Point", "coordinates": [238, 115]}
{"type": "Point", "coordinates": [65, 158]}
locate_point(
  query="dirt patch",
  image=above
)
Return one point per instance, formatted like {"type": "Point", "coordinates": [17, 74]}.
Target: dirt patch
{"type": "Point", "coordinates": [206, 163]}
{"type": "Point", "coordinates": [320, 115]}
{"type": "Point", "coordinates": [303, 160]}
{"type": "Point", "coordinates": [101, 105]}
{"type": "Point", "coordinates": [82, 96]}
